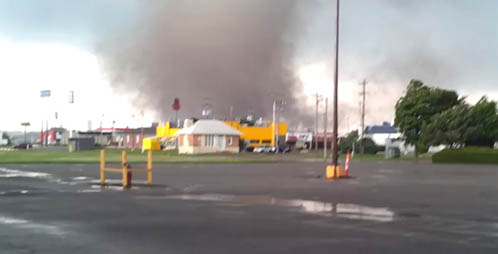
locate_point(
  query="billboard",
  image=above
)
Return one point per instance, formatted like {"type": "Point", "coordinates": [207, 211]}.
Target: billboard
{"type": "Point", "coordinates": [45, 93]}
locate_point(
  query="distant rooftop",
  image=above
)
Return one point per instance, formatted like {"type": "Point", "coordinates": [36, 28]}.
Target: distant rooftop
{"type": "Point", "coordinates": [385, 128]}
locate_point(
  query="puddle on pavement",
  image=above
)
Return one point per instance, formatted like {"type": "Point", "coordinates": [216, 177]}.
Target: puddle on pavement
{"type": "Point", "coordinates": [11, 173]}
{"type": "Point", "coordinates": [80, 178]}
{"type": "Point", "coordinates": [31, 226]}
{"type": "Point", "coordinates": [347, 211]}
{"type": "Point", "coordinates": [13, 192]}
{"type": "Point", "coordinates": [14, 173]}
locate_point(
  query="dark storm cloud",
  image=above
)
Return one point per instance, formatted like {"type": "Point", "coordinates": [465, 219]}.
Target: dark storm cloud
{"type": "Point", "coordinates": [222, 52]}
{"type": "Point", "coordinates": [447, 43]}
{"type": "Point", "coordinates": [244, 53]}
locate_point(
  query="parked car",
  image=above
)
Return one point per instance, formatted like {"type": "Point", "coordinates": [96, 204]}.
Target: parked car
{"type": "Point", "coordinates": [284, 149]}
{"type": "Point", "coordinates": [259, 149]}
{"type": "Point", "coordinates": [264, 149]}
{"type": "Point", "coordinates": [23, 146]}
{"type": "Point", "coordinates": [270, 149]}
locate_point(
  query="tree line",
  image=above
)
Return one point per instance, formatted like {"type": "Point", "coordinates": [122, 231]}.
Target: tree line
{"type": "Point", "coordinates": [429, 116]}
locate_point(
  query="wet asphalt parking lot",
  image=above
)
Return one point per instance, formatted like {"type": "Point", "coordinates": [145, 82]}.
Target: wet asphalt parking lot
{"type": "Point", "coordinates": [389, 207]}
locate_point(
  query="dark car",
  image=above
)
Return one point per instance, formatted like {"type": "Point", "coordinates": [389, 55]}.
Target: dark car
{"type": "Point", "coordinates": [23, 146]}
{"type": "Point", "coordinates": [284, 149]}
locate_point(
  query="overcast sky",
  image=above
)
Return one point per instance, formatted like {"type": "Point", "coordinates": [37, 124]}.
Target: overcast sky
{"type": "Point", "coordinates": [54, 44]}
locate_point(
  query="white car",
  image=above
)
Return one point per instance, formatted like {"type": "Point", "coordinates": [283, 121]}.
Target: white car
{"type": "Point", "coordinates": [264, 149]}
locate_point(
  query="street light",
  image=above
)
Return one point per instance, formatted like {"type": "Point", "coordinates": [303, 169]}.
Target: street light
{"type": "Point", "coordinates": [25, 124]}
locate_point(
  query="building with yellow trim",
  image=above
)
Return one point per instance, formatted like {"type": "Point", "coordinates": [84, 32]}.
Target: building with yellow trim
{"type": "Point", "coordinates": [259, 135]}
{"type": "Point", "coordinates": [163, 133]}
{"type": "Point", "coordinates": [253, 135]}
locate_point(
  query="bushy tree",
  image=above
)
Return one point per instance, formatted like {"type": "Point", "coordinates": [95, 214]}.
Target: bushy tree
{"type": "Point", "coordinates": [484, 123]}
{"type": "Point", "coordinates": [464, 125]}
{"type": "Point", "coordinates": [346, 144]}
{"type": "Point", "coordinates": [451, 127]}
{"type": "Point", "coordinates": [7, 137]}
{"type": "Point", "coordinates": [417, 107]}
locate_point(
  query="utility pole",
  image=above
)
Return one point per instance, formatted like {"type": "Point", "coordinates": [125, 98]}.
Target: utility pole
{"type": "Point", "coordinates": [325, 119]}
{"type": "Point", "coordinates": [142, 131]}
{"type": "Point", "coordinates": [46, 136]}
{"type": "Point", "coordinates": [318, 98]}
{"type": "Point", "coordinates": [363, 94]}
{"type": "Point", "coordinates": [41, 134]}
{"type": "Point", "coordinates": [278, 105]}
{"type": "Point", "coordinates": [336, 97]}
{"type": "Point", "coordinates": [277, 128]}
{"type": "Point", "coordinates": [316, 122]}
{"type": "Point", "coordinates": [274, 129]}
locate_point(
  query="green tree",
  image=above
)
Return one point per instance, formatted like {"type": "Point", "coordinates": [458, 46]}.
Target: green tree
{"type": "Point", "coordinates": [484, 131]}
{"type": "Point", "coordinates": [346, 144]}
{"type": "Point", "coordinates": [417, 107]}
{"type": "Point", "coordinates": [6, 136]}
{"type": "Point", "coordinates": [451, 127]}
{"type": "Point", "coordinates": [464, 125]}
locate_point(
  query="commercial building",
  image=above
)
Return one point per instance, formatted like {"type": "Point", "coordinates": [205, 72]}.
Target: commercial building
{"type": "Point", "coordinates": [258, 135]}
{"type": "Point", "coordinates": [253, 135]}
{"type": "Point", "coordinates": [54, 136]}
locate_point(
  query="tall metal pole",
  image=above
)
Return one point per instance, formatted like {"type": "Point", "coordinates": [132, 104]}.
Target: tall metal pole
{"type": "Point", "coordinates": [316, 123]}
{"type": "Point", "coordinates": [46, 136]}
{"type": "Point", "coordinates": [274, 130]}
{"type": "Point", "coordinates": [142, 131]}
{"type": "Point", "coordinates": [41, 134]}
{"type": "Point", "coordinates": [336, 80]}
{"type": "Point", "coordinates": [277, 139]}
{"type": "Point", "coordinates": [362, 134]}
{"type": "Point", "coordinates": [325, 119]}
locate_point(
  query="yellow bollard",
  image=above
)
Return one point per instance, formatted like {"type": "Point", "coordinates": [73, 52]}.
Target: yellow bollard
{"type": "Point", "coordinates": [102, 167]}
{"type": "Point", "coordinates": [124, 164]}
{"type": "Point", "coordinates": [149, 167]}
{"type": "Point", "coordinates": [333, 172]}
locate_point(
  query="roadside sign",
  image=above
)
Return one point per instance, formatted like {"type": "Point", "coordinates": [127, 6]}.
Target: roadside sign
{"type": "Point", "coordinates": [45, 93]}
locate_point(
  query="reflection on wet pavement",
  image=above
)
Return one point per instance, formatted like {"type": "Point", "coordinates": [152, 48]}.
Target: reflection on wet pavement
{"type": "Point", "coordinates": [30, 226]}
{"type": "Point", "coordinates": [10, 173]}
{"type": "Point", "coordinates": [347, 211]}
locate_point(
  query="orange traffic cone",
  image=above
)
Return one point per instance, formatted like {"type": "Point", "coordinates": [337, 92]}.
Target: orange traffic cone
{"type": "Point", "coordinates": [346, 167]}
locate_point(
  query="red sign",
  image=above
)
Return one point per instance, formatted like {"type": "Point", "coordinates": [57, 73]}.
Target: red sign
{"type": "Point", "coordinates": [176, 104]}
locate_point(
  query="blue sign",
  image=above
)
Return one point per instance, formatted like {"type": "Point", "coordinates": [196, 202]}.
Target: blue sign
{"type": "Point", "coordinates": [45, 93]}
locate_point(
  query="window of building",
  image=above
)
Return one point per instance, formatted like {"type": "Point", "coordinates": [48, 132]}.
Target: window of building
{"type": "Point", "coordinates": [138, 139]}
{"type": "Point", "coordinates": [209, 140]}
{"type": "Point", "coordinates": [254, 141]}
{"type": "Point", "coordinates": [266, 141]}
{"type": "Point", "coordinates": [230, 141]}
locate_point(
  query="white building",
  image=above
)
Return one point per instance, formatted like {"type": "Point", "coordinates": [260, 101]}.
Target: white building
{"type": "Point", "coordinates": [379, 133]}
{"type": "Point", "coordinates": [208, 136]}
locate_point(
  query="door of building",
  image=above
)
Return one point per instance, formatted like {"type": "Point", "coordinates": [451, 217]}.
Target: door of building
{"type": "Point", "coordinates": [220, 143]}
